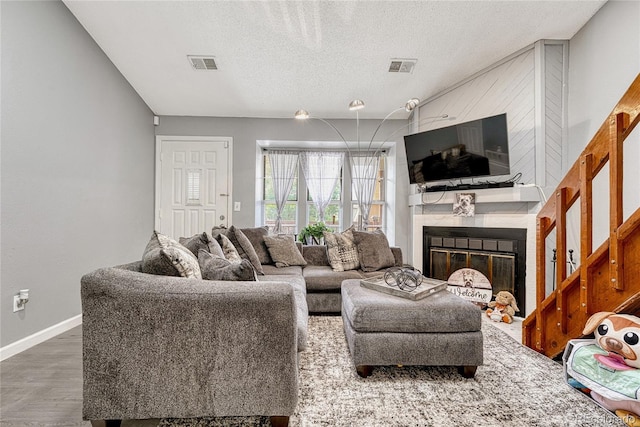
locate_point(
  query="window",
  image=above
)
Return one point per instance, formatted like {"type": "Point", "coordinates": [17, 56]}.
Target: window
{"type": "Point", "coordinates": [290, 212]}
{"type": "Point", "coordinates": [332, 213]}
{"type": "Point", "coordinates": [300, 209]}
{"type": "Point", "coordinates": [378, 204]}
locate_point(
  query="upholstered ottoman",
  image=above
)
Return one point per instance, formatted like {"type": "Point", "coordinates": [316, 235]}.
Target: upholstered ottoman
{"type": "Point", "coordinates": [439, 330]}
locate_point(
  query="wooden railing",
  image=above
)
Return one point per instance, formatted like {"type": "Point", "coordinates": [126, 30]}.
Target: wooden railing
{"type": "Point", "coordinates": [608, 278]}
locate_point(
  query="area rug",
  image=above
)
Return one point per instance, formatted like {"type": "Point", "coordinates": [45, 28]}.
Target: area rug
{"type": "Point", "coordinates": [515, 387]}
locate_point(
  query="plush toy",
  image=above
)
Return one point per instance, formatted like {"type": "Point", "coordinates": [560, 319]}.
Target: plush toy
{"type": "Point", "coordinates": [618, 334]}
{"type": "Point", "coordinates": [503, 308]}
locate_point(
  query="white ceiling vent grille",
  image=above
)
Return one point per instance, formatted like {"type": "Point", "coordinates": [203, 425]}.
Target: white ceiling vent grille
{"type": "Point", "coordinates": [402, 65]}
{"type": "Point", "coordinates": [202, 62]}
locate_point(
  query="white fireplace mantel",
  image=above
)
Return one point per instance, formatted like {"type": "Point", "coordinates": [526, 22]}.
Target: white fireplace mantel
{"type": "Point", "coordinates": [517, 194]}
{"type": "Point", "coordinates": [514, 207]}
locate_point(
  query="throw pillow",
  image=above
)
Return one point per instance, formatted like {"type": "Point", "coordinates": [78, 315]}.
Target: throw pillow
{"type": "Point", "coordinates": [284, 251]}
{"type": "Point", "coordinates": [164, 256]}
{"type": "Point", "coordinates": [374, 252]}
{"type": "Point", "coordinates": [342, 250]}
{"type": "Point", "coordinates": [228, 249]}
{"type": "Point", "coordinates": [217, 230]}
{"type": "Point", "coordinates": [202, 241]}
{"type": "Point", "coordinates": [256, 237]}
{"type": "Point", "coordinates": [244, 247]}
{"type": "Point", "coordinates": [214, 267]}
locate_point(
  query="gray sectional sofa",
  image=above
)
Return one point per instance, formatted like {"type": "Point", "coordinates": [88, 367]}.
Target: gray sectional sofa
{"type": "Point", "coordinates": [162, 346]}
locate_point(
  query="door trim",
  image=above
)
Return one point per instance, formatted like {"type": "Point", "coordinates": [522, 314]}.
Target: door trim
{"type": "Point", "coordinates": [158, 169]}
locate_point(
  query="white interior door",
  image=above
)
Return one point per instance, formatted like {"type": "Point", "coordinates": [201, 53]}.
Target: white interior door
{"type": "Point", "coordinates": [192, 184]}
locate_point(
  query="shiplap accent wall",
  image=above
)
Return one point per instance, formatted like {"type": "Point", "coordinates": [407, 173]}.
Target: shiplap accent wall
{"type": "Point", "coordinates": [528, 86]}
{"type": "Point", "coordinates": [554, 78]}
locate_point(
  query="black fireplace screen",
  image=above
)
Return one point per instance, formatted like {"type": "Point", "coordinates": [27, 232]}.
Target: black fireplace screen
{"type": "Point", "coordinates": [498, 253]}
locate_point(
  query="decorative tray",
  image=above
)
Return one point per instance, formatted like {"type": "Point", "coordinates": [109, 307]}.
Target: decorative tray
{"type": "Point", "coordinates": [428, 287]}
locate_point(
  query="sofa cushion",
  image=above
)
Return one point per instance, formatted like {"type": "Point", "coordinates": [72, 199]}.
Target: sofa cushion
{"type": "Point", "coordinates": [442, 312]}
{"type": "Point", "coordinates": [202, 241]}
{"type": "Point", "coordinates": [302, 311]}
{"type": "Point", "coordinates": [214, 267]}
{"type": "Point", "coordinates": [342, 250]}
{"type": "Point", "coordinates": [228, 249]}
{"type": "Point", "coordinates": [315, 254]}
{"type": "Point", "coordinates": [321, 278]}
{"type": "Point", "coordinates": [164, 256]}
{"type": "Point", "coordinates": [256, 237]}
{"type": "Point", "coordinates": [244, 247]}
{"type": "Point", "coordinates": [283, 251]}
{"type": "Point", "coordinates": [373, 250]}
{"type": "Point", "coordinates": [272, 270]}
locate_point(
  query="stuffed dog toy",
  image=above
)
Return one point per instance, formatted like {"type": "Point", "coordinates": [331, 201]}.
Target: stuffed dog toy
{"type": "Point", "coordinates": [503, 308]}
{"type": "Point", "coordinates": [618, 334]}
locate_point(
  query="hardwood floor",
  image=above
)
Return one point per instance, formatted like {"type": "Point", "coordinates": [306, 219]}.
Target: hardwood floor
{"type": "Point", "coordinates": [42, 386]}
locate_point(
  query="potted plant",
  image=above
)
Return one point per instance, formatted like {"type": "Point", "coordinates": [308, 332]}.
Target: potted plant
{"type": "Point", "coordinates": [312, 233]}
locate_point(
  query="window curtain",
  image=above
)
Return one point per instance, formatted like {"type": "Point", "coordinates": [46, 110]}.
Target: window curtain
{"type": "Point", "coordinates": [283, 172]}
{"type": "Point", "coordinates": [364, 173]}
{"type": "Point", "coordinates": [321, 172]}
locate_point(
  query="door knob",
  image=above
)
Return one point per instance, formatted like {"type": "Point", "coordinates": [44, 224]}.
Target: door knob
{"type": "Point", "coordinates": [221, 217]}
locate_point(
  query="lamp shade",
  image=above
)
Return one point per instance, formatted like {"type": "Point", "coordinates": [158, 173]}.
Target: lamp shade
{"type": "Point", "coordinates": [356, 104]}
{"type": "Point", "coordinates": [411, 104]}
{"type": "Point", "coordinates": [302, 114]}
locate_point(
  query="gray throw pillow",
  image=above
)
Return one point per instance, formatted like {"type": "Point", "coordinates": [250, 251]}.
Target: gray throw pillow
{"type": "Point", "coordinates": [374, 252]}
{"type": "Point", "coordinates": [217, 230]}
{"type": "Point", "coordinates": [228, 249]}
{"type": "Point", "coordinates": [202, 241]}
{"type": "Point", "coordinates": [284, 251]}
{"type": "Point", "coordinates": [244, 247]}
{"type": "Point", "coordinates": [256, 237]}
{"type": "Point", "coordinates": [342, 250]}
{"type": "Point", "coordinates": [164, 256]}
{"type": "Point", "coordinates": [216, 268]}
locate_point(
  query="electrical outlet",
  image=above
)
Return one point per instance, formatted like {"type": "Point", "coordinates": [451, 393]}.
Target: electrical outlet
{"type": "Point", "coordinates": [17, 304]}
{"type": "Point", "coordinates": [236, 206]}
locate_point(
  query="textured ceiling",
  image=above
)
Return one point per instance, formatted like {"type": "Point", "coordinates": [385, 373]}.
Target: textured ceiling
{"type": "Point", "coordinates": [275, 57]}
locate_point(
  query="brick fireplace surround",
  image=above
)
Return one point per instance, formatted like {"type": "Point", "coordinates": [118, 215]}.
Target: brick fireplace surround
{"type": "Point", "coordinates": [502, 208]}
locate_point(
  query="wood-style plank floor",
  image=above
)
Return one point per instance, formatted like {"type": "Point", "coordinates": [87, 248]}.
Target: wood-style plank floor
{"type": "Point", "coordinates": [42, 386]}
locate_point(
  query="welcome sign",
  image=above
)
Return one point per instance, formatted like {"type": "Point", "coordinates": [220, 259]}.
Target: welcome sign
{"type": "Point", "coordinates": [471, 285]}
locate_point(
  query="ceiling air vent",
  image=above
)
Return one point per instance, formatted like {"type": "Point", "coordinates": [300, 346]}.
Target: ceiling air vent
{"type": "Point", "coordinates": [202, 62]}
{"type": "Point", "coordinates": [402, 65]}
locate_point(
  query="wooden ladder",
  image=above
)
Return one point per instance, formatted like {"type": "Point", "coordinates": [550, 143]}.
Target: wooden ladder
{"type": "Point", "coordinates": [608, 278]}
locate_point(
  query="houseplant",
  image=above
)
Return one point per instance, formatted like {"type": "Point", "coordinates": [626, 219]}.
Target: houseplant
{"type": "Point", "coordinates": [312, 233]}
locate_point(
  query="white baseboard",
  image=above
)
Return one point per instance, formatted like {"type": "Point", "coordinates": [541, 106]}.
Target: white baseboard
{"type": "Point", "coordinates": [39, 337]}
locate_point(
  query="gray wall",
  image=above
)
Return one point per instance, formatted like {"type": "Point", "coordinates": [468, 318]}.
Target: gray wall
{"type": "Point", "coordinates": [77, 165]}
{"type": "Point", "coordinates": [246, 132]}
{"type": "Point", "coordinates": [604, 59]}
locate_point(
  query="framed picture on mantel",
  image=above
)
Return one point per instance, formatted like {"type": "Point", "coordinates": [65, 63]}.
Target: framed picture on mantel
{"type": "Point", "coordinates": [464, 204]}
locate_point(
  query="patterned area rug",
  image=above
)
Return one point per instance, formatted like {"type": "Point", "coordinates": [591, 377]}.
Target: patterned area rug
{"type": "Point", "coordinates": [515, 387]}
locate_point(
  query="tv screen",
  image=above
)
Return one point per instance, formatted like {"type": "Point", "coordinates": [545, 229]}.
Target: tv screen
{"type": "Point", "coordinates": [466, 150]}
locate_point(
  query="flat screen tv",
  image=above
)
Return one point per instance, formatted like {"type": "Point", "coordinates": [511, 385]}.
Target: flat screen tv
{"type": "Point", "coordinates": [478, 148]}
